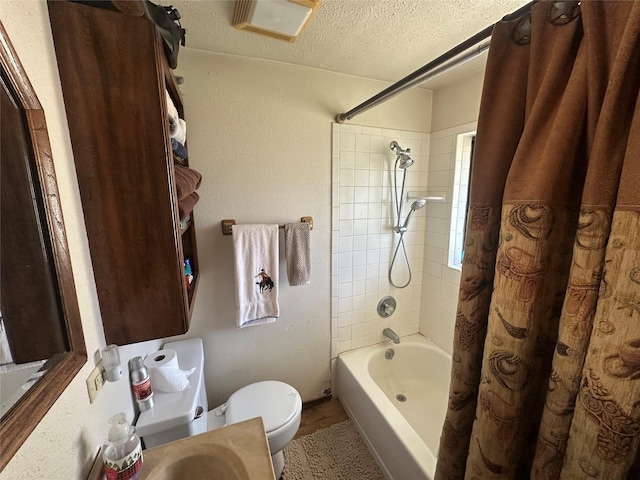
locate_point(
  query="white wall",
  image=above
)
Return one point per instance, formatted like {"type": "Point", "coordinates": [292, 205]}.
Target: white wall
{"type": "Point", "coordinates": [455, 111]}
{"type": "Point", "coordinates": [260, 132]}
{"type": "Point", "coordinates": [458, 103]}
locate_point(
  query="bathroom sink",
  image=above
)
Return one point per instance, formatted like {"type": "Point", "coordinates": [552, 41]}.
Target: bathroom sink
{"type": "Point", "coordinates": [235, 452]}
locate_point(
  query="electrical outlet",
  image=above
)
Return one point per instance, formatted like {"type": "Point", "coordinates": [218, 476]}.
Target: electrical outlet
{"type": "Point", "coordinates": [95, 381]}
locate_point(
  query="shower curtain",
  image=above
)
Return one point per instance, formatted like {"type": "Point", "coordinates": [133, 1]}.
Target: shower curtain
{"type": "Point", "coordinates": [545, 382]}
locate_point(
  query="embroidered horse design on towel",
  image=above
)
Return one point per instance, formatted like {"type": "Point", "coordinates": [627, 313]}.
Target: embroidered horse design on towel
{"type": "Point", "coordinates": [265, 282]}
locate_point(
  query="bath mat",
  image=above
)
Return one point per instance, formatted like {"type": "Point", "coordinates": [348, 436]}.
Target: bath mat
{"type": "Point", "coordinates": [333, 453]}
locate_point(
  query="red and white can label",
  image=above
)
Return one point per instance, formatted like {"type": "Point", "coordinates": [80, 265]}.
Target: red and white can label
{"type": "Point", "coordinates": [142, 390]}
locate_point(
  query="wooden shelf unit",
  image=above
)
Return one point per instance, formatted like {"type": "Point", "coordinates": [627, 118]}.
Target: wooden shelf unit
{"type": "Point", "coordinates": [113, 74]}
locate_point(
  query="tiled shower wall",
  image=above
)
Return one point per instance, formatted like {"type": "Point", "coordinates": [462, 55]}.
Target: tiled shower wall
{"type": "Point", "coordinates": [441, 281]}
{"type": "Point", "coordinates": [362, 237]}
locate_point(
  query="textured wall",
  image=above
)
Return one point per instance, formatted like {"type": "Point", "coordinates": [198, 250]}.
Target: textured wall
{"type": "Point", "coordinates": [457, 103]}
{"type": "Point", "coordinates": [260, 133]}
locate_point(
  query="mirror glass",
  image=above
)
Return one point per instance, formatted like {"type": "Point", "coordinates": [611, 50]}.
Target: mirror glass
{"type": "Point", "coordinates": [41, 342]}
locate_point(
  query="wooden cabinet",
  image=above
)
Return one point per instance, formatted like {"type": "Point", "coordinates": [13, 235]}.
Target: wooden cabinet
{"type": "Point", "coordinates": [114, 74]}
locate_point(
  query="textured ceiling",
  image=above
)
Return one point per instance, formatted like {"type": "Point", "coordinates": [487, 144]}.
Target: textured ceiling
{"type": "Point", "coordinates": [377, 39]}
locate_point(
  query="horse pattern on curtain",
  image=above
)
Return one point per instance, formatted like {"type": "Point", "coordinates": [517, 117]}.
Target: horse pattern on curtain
{"type": "Point", "coordinates": [545, 381]}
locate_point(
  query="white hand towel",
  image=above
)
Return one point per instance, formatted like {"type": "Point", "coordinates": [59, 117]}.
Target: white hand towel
{"type": "Point", "coordinates": [172, 113]}
{"type": "Point", "coordinates": [177, 126]}
{"type": "Point", "coordinates": [255, 249]}
{"type": "Point", "coordinates": [181, 132]}
{"type": "Point", "coordinates": [297, 252]}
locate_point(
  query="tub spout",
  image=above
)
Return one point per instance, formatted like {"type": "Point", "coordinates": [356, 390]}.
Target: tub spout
{"type": "Point", "coordinates": [387, 332]}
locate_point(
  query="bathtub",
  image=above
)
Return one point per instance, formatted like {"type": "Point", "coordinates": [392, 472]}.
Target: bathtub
{"type": "Point", "coordinates": [398, 405]}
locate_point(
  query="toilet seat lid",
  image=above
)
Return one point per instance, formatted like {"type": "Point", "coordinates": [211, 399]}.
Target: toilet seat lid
{"type": "Point", "coordinates": [276, 402]}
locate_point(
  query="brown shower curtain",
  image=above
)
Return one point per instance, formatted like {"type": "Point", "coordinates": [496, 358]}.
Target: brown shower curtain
{"type": "Point", "coordinates": [545, 381]}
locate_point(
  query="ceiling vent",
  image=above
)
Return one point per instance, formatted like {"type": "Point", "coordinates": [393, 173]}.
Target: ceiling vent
{"type": "Point", "coordinates": [282, 19]}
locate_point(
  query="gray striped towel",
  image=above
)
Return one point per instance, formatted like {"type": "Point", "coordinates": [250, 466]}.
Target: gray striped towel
{"type": "Point", "coordinates": [297, 252]}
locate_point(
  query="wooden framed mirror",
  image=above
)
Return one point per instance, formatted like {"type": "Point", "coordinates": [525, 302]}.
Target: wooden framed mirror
{"type": "Point", "coordinates": [40, 314]}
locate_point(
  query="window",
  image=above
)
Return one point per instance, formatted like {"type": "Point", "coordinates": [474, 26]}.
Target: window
{"type": "Point", "coordinates": [459, 204]}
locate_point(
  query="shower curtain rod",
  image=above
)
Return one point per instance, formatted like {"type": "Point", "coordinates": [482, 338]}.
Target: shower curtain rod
{"type": "Point", "coordinates": [470, 48]}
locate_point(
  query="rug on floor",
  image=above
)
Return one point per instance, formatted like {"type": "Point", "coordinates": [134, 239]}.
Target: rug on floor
{"type": "Point", "coordinates": [333, 453]}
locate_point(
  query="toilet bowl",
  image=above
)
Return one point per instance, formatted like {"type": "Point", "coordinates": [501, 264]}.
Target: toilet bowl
{"type": "Point", "coordinates": [182, 414]}
{"type": "Point", "coordinates": [279, 406]}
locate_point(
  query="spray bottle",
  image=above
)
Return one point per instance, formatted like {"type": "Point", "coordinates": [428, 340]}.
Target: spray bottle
{"type": "Point", "coordinates": [122, 454]}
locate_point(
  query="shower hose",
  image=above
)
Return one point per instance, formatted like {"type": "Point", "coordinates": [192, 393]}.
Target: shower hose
{"type": "Point", "coordinates": [393, 260]}
{"type": "Point", "coordinates": [399, 229]}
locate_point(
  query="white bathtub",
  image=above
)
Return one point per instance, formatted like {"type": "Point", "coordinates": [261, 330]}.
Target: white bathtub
{"type": "Point", "coordinates": [403, 435]}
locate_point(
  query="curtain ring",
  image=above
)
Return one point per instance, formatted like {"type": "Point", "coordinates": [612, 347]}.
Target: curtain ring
{"type": "Point", "coordinates": [561, 13]}
{"type": "Point", "coordinates": [521, 33]}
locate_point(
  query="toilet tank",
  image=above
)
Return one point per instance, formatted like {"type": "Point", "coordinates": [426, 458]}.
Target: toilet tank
{"type": "Point", "coordinates": [178, 415]}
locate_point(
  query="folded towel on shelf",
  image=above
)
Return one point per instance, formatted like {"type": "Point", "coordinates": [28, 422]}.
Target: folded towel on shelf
{"type": "Point", "coordinates": [187, 181]}
{"type": "Point", "coordinates": [255, 250]}
{"type": "Point", "coordinates": [177, 126]}
{"type": "Point", "coordinates": [297, 252]}
{"type": "Point", "coordinates": [185, 206]}
{"type": "Point", "coordinates": [172, 113]}
{"type": "Point", "coordinates": [181, 131]}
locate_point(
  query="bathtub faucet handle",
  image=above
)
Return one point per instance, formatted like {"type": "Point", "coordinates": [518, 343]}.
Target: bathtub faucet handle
{"type": "Point", "coordinates": [386, 306]}
{"type": "Point", "coordinates": [387, 332]}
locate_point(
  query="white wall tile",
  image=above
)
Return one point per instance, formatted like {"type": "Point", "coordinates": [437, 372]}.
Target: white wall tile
{"type": "Point", "coordinates": [361, 194]}
{"type": "Point", "coordinates": [363, 142]}
{"type": "Point", "coordinates": [359, 243]}
{"type": "Point", "coordinates": [347, 127]}
{"type": "Point", "coordinates": [362, 160]}
{"type": "Point", "coordinates": [359, 259]}
{"type": "Point", "coordinates": [345, 244]}
{"type": "Point", "coordinates": [361, 210]}
{"type": "Point", "coordinates": [360, 227]}
{"type": "Point", "coordinates": [347, 142]}
{"type": "Point", "coordinates": [373, 131]}
{"type": "Point", "coordinates": [347, 159]}
{"type": "Point", "coordinates": [345, 290]}
{"type": "Point", "coordinates": [347, 177]}
{"type": "Point", "coordinates": [346, 211]}
{"type": "Point", "coordinates": [346, 227]}
{"type": "Point", "coordinates": [361, 179]}
{"type": "Point", "coordinates": [345, 275]}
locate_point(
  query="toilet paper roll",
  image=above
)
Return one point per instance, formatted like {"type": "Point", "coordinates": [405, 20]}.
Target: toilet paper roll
{"type": "Point", "coordinates": [162, 359]}
{"type": "Point", "coordinates": [165, 373]}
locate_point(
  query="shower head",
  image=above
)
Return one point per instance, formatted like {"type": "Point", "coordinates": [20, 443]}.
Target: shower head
{"type": "Point", "coordinates": [403, 157]}
{"type": "Point", "coordinates": [405, 161]}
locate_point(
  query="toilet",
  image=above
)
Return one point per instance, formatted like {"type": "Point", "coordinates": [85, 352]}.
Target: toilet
{"type": "Point", "coordinates": [182, 414]}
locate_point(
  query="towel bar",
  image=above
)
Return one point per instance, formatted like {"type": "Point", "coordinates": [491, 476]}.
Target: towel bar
{"type": "Point", "coordinates": [227, 225]}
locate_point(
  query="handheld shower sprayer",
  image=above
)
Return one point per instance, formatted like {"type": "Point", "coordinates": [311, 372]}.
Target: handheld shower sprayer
{"type": "Point", "coordinates": [417, 205]}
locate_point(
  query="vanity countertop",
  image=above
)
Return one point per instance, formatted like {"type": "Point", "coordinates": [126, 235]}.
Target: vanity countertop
{"type": "Point", "coordinates": [238, 451]}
